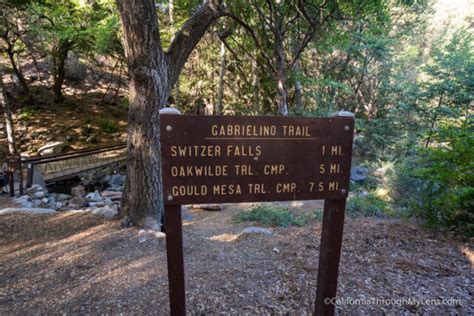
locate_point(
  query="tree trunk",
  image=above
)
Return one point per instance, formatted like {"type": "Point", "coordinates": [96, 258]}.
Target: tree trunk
{"type": "Point", "coordinates": [298, 88]}
{"type": "Point", "coordinates": [282, 93]}
{"type": "Point", "coordinates": [220, 94]}
{"type": "Point", "coordinates": [172, 30]}
{"type": "Point", "coordinates": [152, 74]}
{"type": "Point", "coordinates": [16, 70]}
{"type": "Point", "coordinates": [8, 118]}
{"type": "Point", "coordinates": [148, 92]}
{"type": "Point", "coordinates": [433, 121]}
{"type": "Point", "coordinates": [60, 56]}
{"type": "Point", "coordinates": [256, 88]}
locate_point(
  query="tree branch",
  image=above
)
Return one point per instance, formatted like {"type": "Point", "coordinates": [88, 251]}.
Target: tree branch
{"type": "Point", "coordinates": [254, 37]}
{"type": "Point", "coordinates": [190, 34]}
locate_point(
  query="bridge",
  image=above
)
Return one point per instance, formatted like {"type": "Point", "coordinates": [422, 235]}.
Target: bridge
{"type": "Point", "coordinates": [52, 168]}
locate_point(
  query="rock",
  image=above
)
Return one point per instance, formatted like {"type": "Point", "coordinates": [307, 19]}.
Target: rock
{"type": "Point", "coordinates": [359, 173]}
{"type": "Point", "coordinates": [108, 201]}
{"type": "Point", "coordinates": [39, 194]}
{"type": "Point", "coordinates": [62, 197]}
{"type": "Point", "coordinates": [363, 194]}
{"type": "Point", "coordinates": [28, 210]}
{"type": "Point", "coordinates": [76, 202]}
{"type": "Point", "coordinates": [104, 179]}
{"type": "Point", "coordinates": [106, 211]}
{"type": "Point", "coordinates": [112, 195]}
{"type": "Point", "coordinates": [207, 207]}
{"type": "Point", "coordinates": [44, 200]}
{"type": "Point", "coordinates": [96, 204]}
{"type": "Point", "coordinates": [94, 197]}
{"type": "Point", "coordinates": [92, 139]}
{"type": "Point", "coordinates": [23, 201]}
{"type": "Point", "coordinates": [169, 110]}
{"type": "Point", "coordinates": [256, 230]}
{"type": "Point", "coordinates": [35, 188]}
{"type": "Point", "coordinates": [158, 235]}
{"type": "Point", "coordinates": [117, 179]}
{"type": "Point", "coordinates": [126, 222]}
{"type": "Point", "coordinates": [53, 148]}
{"type": "Point", "coordinates": [78, 191]}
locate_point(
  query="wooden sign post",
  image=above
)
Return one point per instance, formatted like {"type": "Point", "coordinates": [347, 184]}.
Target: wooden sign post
{"type": "Point", "coordinates": [228, 159]}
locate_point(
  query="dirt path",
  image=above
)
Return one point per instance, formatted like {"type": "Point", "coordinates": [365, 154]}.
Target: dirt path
{"type": "Point", "coordinates": [79, 263]}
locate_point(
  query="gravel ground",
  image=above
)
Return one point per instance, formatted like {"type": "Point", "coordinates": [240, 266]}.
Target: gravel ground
{"type": "Point", "coordinates": [77, 263]}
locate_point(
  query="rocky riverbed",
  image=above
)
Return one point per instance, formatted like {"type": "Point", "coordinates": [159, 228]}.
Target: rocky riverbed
{"type": "Point", "coordinates": [103, 201]}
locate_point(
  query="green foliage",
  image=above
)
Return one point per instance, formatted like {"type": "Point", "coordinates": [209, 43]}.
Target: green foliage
{"type": "Point", "coordinates": [369, 205]}
{"type": "Point", "coordinates": [109, 126]}
{"type": "Point", "coordinates": [437, 183]}
{"type": "Point", "coordinates": [277, 217]}
{"type": "Point", "coordinates": [27, 113]}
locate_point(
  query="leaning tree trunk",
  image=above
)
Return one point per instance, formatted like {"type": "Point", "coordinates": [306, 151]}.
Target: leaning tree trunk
{"type": "Point", "coordinates": [60, 56]}
{"type": "Point", "coordinates": [16, 70]}
{"type": "Point", "coordinates": [152, 74]}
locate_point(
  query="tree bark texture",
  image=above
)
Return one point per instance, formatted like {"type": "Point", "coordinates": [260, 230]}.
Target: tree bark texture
{"type": "Point", "coordinates": [8, 118]}
{"type": "Point", "coordinates": [220, 93]}
{"type": "Point", "coordinates": [152, 73]}
{"type": "Point", "coordinates": [16, 70]}
{"type": "Point", "coordinates": [60, 56]}
{"type": "Point", "coordinates": [282, 92]}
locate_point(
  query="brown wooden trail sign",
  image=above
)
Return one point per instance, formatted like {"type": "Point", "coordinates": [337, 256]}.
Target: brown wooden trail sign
{"type": "Point", "coordinates": [226, 159]}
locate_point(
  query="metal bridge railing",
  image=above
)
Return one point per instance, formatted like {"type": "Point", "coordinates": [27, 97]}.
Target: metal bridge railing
{"type": "Point", "coordinates": [65, 165]}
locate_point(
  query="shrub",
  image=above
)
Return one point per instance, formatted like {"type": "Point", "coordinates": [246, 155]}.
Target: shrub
{"type": "Point", "coordinates": [27, 113]}
{"type": "Point", "coordinates": [277, 217]}
{"type": "Point", "coordinates": [109, 126]}
{"type": "Point", "coordinates": [367, 205]}
{"type": "Point", "coordinates": [437, 183]}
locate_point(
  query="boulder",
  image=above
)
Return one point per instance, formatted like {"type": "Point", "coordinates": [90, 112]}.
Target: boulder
{"type": "Point", "coordinates": [53, 148]}
{"type": "Point", "coordinates": [78, 191]}
{"type": "Point", "coordinates": [94, 197]}
{"type": "Point", "coordinates": [76, 202]}
{"type": "Point", "coordinates": [256, 230]}
{"type": "Point", "coordinates": [35, 188]}
{"type": "Point", "coordinates": [105, 211]}
{"type": "Point", "coordinates": [117, 179]}
{"type": "Point", "coordinates": [359, 173]}
{"type": "Point", "coordinates": [39, 194]}
{"type": "Point", "coordinates": [23, 201]}
{"type": "Point", "coordinates": [104, 179]}
{"type": "Point", "coordinates": [62, 197]}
